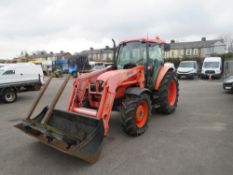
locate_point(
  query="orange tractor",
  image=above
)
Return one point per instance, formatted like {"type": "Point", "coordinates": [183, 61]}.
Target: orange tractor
{"type": "Point", "coordinates": [137, 82]}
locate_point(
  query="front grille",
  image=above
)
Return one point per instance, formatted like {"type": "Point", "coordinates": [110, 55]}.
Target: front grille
{"type": "Point", "coordinates": [228, 84]}
{"type": "Point", "coordinates": [210, 72]}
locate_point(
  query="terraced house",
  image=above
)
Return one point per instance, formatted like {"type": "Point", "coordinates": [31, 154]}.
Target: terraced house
{"type": "Point", "coordinates": [202, 48]}
{"type": "Point", "coordinates": [105, 54]}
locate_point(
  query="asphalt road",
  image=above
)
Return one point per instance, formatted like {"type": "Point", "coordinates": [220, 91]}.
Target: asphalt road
{"type": "Point", "coordinates": [196, 139]}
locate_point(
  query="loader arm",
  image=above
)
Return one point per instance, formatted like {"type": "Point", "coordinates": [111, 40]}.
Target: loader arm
{"type": "Point", "coordinates": [112, 82]}
{"type": "Point", "coordinates": [80, 85]}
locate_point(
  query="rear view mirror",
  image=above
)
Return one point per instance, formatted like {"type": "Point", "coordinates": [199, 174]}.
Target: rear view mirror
{"type": "Point", "coordinates": [167, 47]}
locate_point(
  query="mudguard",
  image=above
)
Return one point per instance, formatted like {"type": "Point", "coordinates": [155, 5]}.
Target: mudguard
{"type": "Point", "coordinates": [162, 72]}
{"type": "Point", "coordinates": [137, 91]}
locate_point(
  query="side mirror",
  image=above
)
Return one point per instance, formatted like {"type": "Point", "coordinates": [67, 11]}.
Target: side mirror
{"type": "Point", "coordinates": [167, 47]}
{"type": "Point", "coordinates": [114, 53]}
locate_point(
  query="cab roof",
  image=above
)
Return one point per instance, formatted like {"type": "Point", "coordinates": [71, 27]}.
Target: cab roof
{"type": "Point", "coordinates": [149, 40]}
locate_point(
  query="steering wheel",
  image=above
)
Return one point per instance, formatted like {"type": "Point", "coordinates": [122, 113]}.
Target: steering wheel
{"type": "Point", "coordinates": [139, 60]}
{"type": "Point", "coordinates": [131, 65]}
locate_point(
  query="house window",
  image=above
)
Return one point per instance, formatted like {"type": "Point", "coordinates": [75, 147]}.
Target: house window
{"type": "Point", "coordinates": [195, 52]}
{"type": "Point", "coordinates": [181, 52]}
{"type": "Point", "coordinates": [172, 53]}
{"type": "Point", "coordinates": [188, 51]}
{"type": "Point", "coordinates": [110, 55]}
{"type": "Point", "coordinates": [104, 56]}
{"type": "Point", "coordinates": [175, 53]}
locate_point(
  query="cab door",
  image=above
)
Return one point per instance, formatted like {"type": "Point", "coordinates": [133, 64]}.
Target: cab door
{"type": "Point", "coordinates": [155, 60]}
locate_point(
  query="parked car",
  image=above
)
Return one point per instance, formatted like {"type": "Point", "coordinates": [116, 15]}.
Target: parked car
{"type": "Point", "coordinates": [108, 64]}
{"type": "Point", "coordinates": [170, 65]}
{"type": "Point", "coordinates": [98, 66]}
{"type": "Point", "coordinates": [211, 67]}
{"type": "Point", "coordinates": [15, 78]}
{"type": "Point", "coordinates": [187, 69]}
{"type": "Point", "coordinates": [228, 75]}
{"type": "Point", "coordinates": [228, 83]}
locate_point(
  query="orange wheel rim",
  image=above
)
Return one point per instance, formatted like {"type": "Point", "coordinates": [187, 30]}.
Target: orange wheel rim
{"type": "Point", "coordinates": [172, 90]}
{"type": "Point", "coordinates": [141, 114]}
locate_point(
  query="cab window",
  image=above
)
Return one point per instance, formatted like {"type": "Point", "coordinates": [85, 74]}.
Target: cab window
{"type": "Point", "coordinates": [155, 52]}
{"type": "Point", "coordinates": [9, 72]}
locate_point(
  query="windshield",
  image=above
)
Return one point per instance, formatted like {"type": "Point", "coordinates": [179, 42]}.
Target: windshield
{"type": "Point", "coordinates": [131, 53]}
{"type": "Point", "coordinates": [186, 65]}
{"type": "Point", "coordinates": [211, 64]}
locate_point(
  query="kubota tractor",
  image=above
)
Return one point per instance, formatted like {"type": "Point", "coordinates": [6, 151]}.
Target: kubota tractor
{"type": "Point", "coordinates": [137, 82]}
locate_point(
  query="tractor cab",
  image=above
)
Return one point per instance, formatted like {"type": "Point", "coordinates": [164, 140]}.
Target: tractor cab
{"type": "Point", "coordinates": [148, 53]}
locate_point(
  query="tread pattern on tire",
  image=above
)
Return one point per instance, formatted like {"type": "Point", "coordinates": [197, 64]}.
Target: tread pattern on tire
{"type": "Point", "coordinates": [128, 114]}
{"type": "Point", "coordinates": [162, 94]}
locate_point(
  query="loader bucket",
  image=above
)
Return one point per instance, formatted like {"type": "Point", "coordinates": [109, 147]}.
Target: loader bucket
{"type": "Point", "coordinates": [76, 135]}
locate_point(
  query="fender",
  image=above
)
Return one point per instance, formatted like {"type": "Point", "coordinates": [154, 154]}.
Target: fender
{"type": "Point", "coordinates": [13, 88]}
{"type": "Point", "coordinates": [162, 72]}
{"type": "Point", "coordinates": [137, 91]}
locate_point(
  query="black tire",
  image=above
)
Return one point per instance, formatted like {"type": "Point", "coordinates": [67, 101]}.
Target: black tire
{"type": "Point", "coordinates": [9, 95]}
{"type": "Point", "coordinates": [192, 77]}
{"type": "Point", "coordinates": [128, 114]}
{"type": "Point", "coordinates": [162, 103]}
{"type": "Point", "coordinates": [37, 87]}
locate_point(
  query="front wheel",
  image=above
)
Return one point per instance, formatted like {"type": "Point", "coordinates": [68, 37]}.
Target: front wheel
{"type": "Point", "coordinates": [168, 93]}
{"type": "Point", "coordinates": [9, 96]}
{"type": "Point", "coordinates": [135, 113]}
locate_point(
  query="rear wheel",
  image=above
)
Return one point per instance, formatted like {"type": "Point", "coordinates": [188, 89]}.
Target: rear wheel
{"type": "Point", "coordinates": [9, 95]}
{"type": "Point", "coordinates": [135, 113]}
{"type": "Point", "coordinates": [168, 93]}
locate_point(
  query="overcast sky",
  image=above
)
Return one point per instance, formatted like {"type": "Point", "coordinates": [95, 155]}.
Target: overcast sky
{"type": "Point", "coordinates": [75, 25]}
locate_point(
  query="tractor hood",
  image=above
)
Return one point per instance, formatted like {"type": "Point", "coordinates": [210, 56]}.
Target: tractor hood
{"type": "Point", "coordinates": [119, 73]}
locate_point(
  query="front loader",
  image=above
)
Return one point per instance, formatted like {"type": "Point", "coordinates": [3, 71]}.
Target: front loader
{"type": "Point", "coordinates": [137, 82]}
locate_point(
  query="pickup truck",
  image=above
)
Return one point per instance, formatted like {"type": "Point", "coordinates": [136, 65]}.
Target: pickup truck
{"type": "Point", "coordinates": [15, 78]}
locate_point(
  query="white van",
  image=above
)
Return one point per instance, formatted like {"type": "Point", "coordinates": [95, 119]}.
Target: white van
{"type": "Point", "coordinates": [1, 65]}
{"type": "Point", "coordinates": [15, 77]}
{"type": "Point", "coordinates": [21, 72]}
{"type": "Point", "coordinates": [211, 67]}
{"type": "Point", "coordinates": [187, 69]}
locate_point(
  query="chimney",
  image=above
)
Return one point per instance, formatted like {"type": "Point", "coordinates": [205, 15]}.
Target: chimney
{"type": "Point", "coordinates": [172, 41]}
{"type": "Point", "coordinates": [106, 47]}
{"type": "Point", "coordinates": [91, 48]}
{"type": "Point", "coordinates": [203, 39]}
